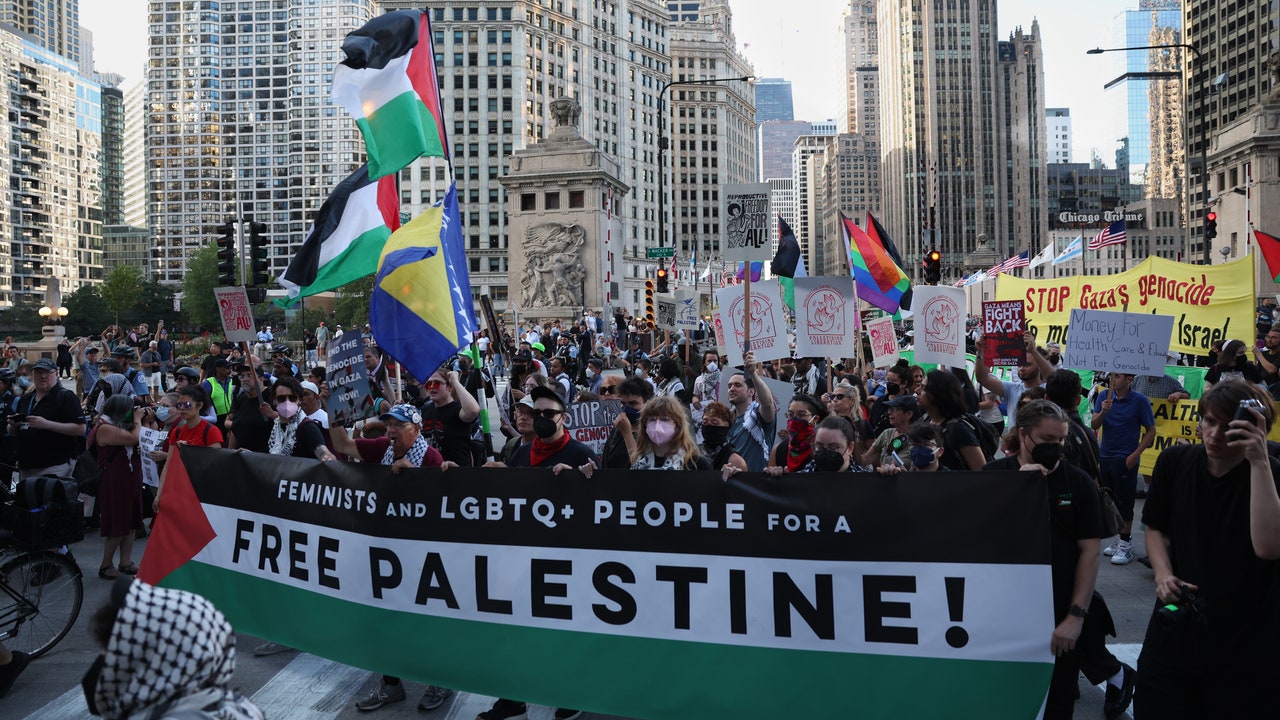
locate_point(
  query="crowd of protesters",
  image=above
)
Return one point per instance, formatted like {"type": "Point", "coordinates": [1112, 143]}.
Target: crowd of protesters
{"type": "Point", "coordinates": [682, 408]}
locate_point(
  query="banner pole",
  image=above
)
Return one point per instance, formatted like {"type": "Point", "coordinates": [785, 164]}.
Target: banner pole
{"type": "Point", "coordinates": [746, 312]}
{"type": "Point", "coordinates": [248, 360]}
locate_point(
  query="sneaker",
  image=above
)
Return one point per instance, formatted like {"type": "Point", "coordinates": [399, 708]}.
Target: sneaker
{"type": "Point", "coordinates": [382, 695]}
{"type": "Point", "coordinates": [1111, 549]}
{"type": "Point", "coordinates": [567, 714]}
{"type": "Point", "coordinates": [1118, 698]}
{"type": "Point", "coordinates": [504, 709]}
{"type": "Point", "coordinates": [434, 697]}
{"type": "Point", "coordinates": [10, 672]}
{"type": "Point", "coordinates": [270, 648]}
{"type": "Point", "coordinates": [1124, 554]}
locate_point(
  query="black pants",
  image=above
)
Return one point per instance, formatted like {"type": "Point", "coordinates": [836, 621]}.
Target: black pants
{"type": "Point", "coordinates": [1061, 702]}
{"type": "Point", "coordinates": [1096, 661]}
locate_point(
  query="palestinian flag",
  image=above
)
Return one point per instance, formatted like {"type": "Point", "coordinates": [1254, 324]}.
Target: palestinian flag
{"type": "Point", "coordinates": [900, 593]}
{"type": "Point", "coordinates": [788, 263]}
{"type": "Point", "coordinates": [388, 84]}
{"type": "Point", "coordinates": [347, 237]}
{"type": "Point", "coordinates": [1270, 247]}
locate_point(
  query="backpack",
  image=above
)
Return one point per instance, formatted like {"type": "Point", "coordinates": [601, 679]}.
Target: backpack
{"type": "Point", "coordinates": [987, 439]}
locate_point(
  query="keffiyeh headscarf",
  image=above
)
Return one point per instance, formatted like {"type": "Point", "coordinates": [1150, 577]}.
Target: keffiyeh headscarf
{"type": "Point", "coordinates": [283, 436]}
{"type": "Point", "coordinates": [416, 454]}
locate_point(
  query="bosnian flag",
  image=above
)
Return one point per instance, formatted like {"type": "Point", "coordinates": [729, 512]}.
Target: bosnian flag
{"type": "Point", "coordinates": [388, 84]}
{"type": "Point", "coordinates": [346, 238]}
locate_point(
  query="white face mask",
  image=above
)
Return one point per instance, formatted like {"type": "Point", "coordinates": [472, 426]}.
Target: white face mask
{"type": "Point", "coordinates": [591, 373]}
{"type": "Point", "coordinates": [712, 367]}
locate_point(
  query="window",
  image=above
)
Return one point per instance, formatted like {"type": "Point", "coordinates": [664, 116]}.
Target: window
{"type": "Point", "coordinates": [576, 199]}
{"type": "Point", "coordinates": [552, 201]}
{"type": "Point", "coordinates": [528, 202]}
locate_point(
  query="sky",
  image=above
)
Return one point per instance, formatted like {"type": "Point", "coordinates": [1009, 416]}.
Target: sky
{"type": "Point", "coordinates": [801, 47]}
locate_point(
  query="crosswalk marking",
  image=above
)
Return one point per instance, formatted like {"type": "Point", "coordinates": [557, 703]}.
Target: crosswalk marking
{"type": "Point", "coordinates": [310, 688]}
{"type": "Point", "coordinates": [69, 704]}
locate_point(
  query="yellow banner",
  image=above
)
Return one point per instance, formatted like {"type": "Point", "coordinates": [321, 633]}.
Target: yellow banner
{"type": "Point", "coordinates": [1179, 421]}
{"type": "Point", "coordinates": [1207, 302]}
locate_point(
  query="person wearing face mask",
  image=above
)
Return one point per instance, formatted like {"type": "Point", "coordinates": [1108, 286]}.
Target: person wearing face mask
{"type": "Point", "coordinates": [251, 416]}
{"type": "Point", "coordinates": [1234, 364]}
{"type": "Point", "coordinates": [897, 383]}
{"type": "Point", "coordinates": [292, 433]}
{"type": "Point", "coordinates": [1075, 531]}
{"type": "Point", "coordinates": [140, 623]}
{"type": "Point", "coordinates": [893, 446]}
{"type": "Point", "coordinates": [522, 414]}
{"type": "Point", "coordinates": [706, 388]}
{"type": "Point", "coordinates": [634, 393]}
{"type": "Point", "coordinates": [716, 420]}
{"type": "Point", "coordinates": [644, 371]}
{"type": "Point", "coordinates": [552, 447]}
{"type": "Point", "coordinates": [665, 441]}
{"type": "Point", "coordinates": [190, 429]}
{"type": "Point", "coordinates": [803, 415]}
{"type": "Point", "coordinates": [594, 373]}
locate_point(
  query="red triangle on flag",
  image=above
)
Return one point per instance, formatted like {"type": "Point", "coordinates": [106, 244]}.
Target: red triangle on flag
{"type": "Point", "coordinates": [1270, 247]}
{"type": "Point", "coordinates": [180, 530]}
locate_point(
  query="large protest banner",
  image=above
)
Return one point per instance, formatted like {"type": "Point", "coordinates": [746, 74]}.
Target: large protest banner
{"type": "Point", "coordinates": [902, 592]}
{"type": "Point", "coordinates": [1207, 303]}
{"type": "Point", "coordinates": [1178, 421]}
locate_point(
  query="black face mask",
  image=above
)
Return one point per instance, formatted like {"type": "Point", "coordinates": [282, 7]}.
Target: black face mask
{"type": "Point", "coordinates": [544, 428]}
{"type": "Point", "coordinates": [89, 683]}
{"type": "Point", "coordinates": [893, 388]}
{"type": "Point", "coordinates": [825, 460]}
{"type": "Point", "coordinates": [1047, 455]}
{"type": "Point", "coordinates": [714, 435]}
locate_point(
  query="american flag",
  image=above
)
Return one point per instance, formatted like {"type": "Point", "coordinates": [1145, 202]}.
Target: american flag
{"type": "Point", "coordinates": [1112, 234]}
{"type": "Point", "coordinates": [1022, 259]}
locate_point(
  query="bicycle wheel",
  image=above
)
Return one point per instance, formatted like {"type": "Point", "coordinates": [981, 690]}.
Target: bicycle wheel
{"type": "Point", "coordinates": [52, 590]}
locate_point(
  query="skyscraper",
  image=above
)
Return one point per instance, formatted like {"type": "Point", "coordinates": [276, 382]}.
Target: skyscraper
{"type": "Point", "coordinates": [1155, 22]}
{"type": "Point", "coordinates": [239, 121]}
{"type": "Point", "coordinates": [773, 100]}
{"type": "Point", "coordinates": [712, 128]}
{"type": "Point", "coordinates": [776, 139]}
{"type": "Point", "coordinates": [55, 24]}
{"type": "Point", "coordinates": [1058, 134]}
{"type": "Point", "coordinates": [1020, 128]}
{"type": "Point", "coordinates": [858, 80]}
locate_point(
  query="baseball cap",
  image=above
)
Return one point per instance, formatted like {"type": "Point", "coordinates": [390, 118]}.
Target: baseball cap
{"type": "Point", "coordinates": [539, 347]}
{"type": "Point", "coordinates": [906, 402]}
{"type": "Point", "coordinates": [308, 385]}
{"type": "Point", "coordinates": [540, 392]}
{"type": "Point", "coordinates": [91, 350]}
{"type": "Point", "coordinates": [44, 364]}
{"type": "Point", "coordinates": [404, 412]}
{"type": "Point", "coordinates": [221, 363]}
{"type": "Point", "coordinates": [526, 401]}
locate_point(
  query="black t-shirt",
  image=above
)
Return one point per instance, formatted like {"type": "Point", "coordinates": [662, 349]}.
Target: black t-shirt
{"type": "Point", "coordinates": [446, 432]}
{"type": "Point", "coordinates": [956, 434]}
{"type": "Point", "coordinates": [252, 430]}
{"type": "Point", "coordinates": [572, 454]}
{"type": "Point", "coordinates": [206, 366]}
{"type": "Point", "coordinates": [1274, 359]}
{"type": "Point", "coordinates": [43, 448]}
{"type": "Point", "coordinates": [1075, 513]}
{"type": "Point", "coordinates": [1206, 521]}
{"type": "Point", "coordinates": [615, 455]}
{"type": "Point", "coordinates": [306, 439]}
{"type": "Point", "coordinates": [1247, 371]}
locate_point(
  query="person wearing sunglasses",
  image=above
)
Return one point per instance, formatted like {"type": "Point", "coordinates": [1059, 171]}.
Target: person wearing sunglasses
{"type": "Point", "coordinates": [893, 446]}
{"type": "Point", "coordinates": [804, 412]}
{"type": "Point", "coordinates": [448, 416]}
{"type": "Point", "coordinates": [552, 447]}
{"type": "Point", "coordinates": [191, 429]}
{"type": "Point", "coordinates": [845, 401]}
{"type": "Point", "coordinates": [293, 433]}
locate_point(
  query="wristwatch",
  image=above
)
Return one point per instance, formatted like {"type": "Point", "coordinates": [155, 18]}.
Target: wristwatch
{"type": "Point", "coordinates": [1078, 611]}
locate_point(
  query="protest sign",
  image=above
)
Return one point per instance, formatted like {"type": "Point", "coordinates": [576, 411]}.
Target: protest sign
{"type": "Point", "coordinates": [903, 592]}
{"type": "Point", "coordinates": [718, 325]}
{"type": "Point", "coordinates": [939, 325]}
{"type": "Point", "coordinates": [237, 316]}
{"type": "Point", "coordinates": [1105, 341]}
{"type": "Point", "coordinates": [150, 441]}
{"type": "Point", "coordinates": [591, 422]}
{"type": "Point", "coordinates": [826, 317]}
{"type": "Point", "coordinates": [768, 323]}
{"type": "Point", "coordinates": [348, 380]}
{"type": "Point", "coordinates": [1003, 325]}
{"type": "Point", "coordinates": [1179, 421]}
{"type": "Point", "coordinates": [884, 342]}
{"type": "Point", "coordinates": [687, 311]}
{"type": "Point", "coordinates": [747, 222]}
{"type": "Point", "coordinates": [666, 315]}
{"type": "Point", "coordinates": [1207, 302]}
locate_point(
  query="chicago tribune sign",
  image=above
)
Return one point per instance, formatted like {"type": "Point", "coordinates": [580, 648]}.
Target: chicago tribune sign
{"type": "Point", "coordinates": [1068, 217]}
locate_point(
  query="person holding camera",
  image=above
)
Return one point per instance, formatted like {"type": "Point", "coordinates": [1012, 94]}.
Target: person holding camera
{"type": "Point", "coordinates": [1213, 536]}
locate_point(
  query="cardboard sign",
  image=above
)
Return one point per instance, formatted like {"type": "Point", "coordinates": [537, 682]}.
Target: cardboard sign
{"type": "Point", "coordinates": [768, 323]}
{"type": "Point", "coordinates": [718, 326]}
{"type": "Point", "coordinates": [826, 317]}
{"type": "Point", "coordinates": [939, 325]}
{"type": "Point", "coordinates": [687, 311]}
{"type": "Point", "coordinates": [747, 222]}
{"type": "Point", "coordinates": [591, 422]}
{"type": "Point", "coordinates": [884, 341]}
{"type": "Point", "coordinates": [1106, 341]}
{"type": "Point", "coordinates": [1003, 325]}
{"type": "Point", "coordinates": [237, 316]}
{"type": "Point", "coordinates": [150, 441]}
{"type": "Point", "coordinates": [348, 380]}
{"type": "Point", "coordinates": [666, 315]}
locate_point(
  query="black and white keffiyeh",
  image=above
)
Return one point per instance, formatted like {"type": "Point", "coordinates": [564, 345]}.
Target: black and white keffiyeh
{"type": "Point", "coordinates": [416, 454]}
{"type": "Point", "coordinates": [283, 436]}
{"type": "Point", "coordinates": [674, 461]}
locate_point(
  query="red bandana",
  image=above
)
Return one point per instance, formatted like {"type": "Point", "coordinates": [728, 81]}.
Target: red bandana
{"type": "Point", "coordinates": [541, 451]}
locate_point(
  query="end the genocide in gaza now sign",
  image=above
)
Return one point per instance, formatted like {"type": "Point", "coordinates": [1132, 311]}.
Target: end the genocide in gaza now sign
{"type": "Point", "coordinates": [903, 593]}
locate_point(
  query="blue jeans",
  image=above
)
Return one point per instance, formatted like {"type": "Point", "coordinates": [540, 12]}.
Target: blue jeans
{"type": "Point", "coordinates": [1122, 481]}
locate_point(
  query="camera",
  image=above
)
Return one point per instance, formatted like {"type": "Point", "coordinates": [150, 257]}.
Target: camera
{"type": "Point", "coordinates": [1189, 608]}
{"type": "Point", "coordinates": [1243, 412]}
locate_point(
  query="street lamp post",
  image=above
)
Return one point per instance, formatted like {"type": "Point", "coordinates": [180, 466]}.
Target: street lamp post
{"type": "Point", "coordinates": [1204, 127]}
{"type": "Point", "coordinates": [663, 142]}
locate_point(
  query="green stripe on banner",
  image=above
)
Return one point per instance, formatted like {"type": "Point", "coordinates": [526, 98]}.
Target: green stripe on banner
{"type": "Point", "coordinates": [359, 259]}
{"type": "Point", "coordinates": [397, 133]}
{"type": "Point", "coordinates": [536, 664]}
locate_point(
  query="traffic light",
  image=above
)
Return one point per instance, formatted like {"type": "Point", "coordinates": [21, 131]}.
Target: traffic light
{"type": "Point", "coordinates": [650, 310]}
{"type": "Point", "coordinates": [258, 255]}
{"type": "Point", "coordinates": [227, 256]}
{"type": "Point", "coordinates": [662, 281]}
{"type": "Point", "coordinates": [1210, 225]}
{"type": "Point", "coordinates": [933, 267]}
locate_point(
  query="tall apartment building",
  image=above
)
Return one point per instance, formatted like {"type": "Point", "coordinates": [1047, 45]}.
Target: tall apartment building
{"type": "Point", "coordinates": [53, 24]}
{"type": "Point", "coordinates": [775, 140]}
{"type": "Point", "coordinates": [52, 117]}
{"type": "Point", "coordinates": [806, 177]}
{"type": "Point", "coordinates": [712, 129]}
{"type": "Point", "coordinates": [944, 117]}
{"type": "Point", "coordinates": [1236, 40]}
{"type": "Point", "coordinates": [500, 67]}
{"type": "Point", "coordinates": [134, 150]}
{"type": "Point", "coordinates": [239, 121]}
{"type": "Point", "coordinates": [1020, 80]}
{"type": "Point", "coordinates": [112, 156]}
{"type": "Point", "coordinates": [1058, 134]}
{"type": "Point", "coordinates": [773, 100]}
{"type": "Point", "coordinates": [857, 80]}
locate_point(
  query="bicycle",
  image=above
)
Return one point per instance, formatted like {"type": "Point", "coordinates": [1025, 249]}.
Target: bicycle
{"type": "Point", "coordinates": [41, 592]}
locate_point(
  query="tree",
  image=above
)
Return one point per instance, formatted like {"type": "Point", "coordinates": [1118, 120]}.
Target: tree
{"type": "Point", "coordinates": [120, 291]}
{"type": "Point", "coordinates": [86, 313]}
{"type": "Point", "coordinates": [352, 308]}
{"type": "Point", "coordinates": [198, 303]}
{"type": "Point", "coordinates": [155, 305]}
